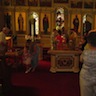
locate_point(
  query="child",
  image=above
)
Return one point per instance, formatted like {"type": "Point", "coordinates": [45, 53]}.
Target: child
{"type": "Point", "coordinates": [34, 51]}
{"type": "Point", "coordinates": [26, 59]}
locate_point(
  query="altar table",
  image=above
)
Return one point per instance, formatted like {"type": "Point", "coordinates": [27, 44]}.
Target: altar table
{"type": "Point", "coordinates": [64, 60]}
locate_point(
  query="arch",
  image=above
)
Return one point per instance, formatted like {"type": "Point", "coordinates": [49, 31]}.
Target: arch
{"type": "Point", "coordinates": [33, 23]}
{"type": "Point", "coordinates": [87, 23]}
{"type": "Point", "coordinates": [60, 18]}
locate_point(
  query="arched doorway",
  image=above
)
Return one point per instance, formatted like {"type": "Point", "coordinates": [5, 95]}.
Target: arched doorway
{"type": "Point", "coordinates": [33, 24]}
{"type": "Point", "coordinates": [59, 18]}
{"type": "Point", "coordinates": [87, 24]}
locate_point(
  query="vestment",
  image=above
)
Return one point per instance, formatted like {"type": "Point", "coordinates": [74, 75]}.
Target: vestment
{"type": "Point", "coordinates": [74, 38]}
{"type": "Point", "coordinates": [53, 42]}
{"type": "Point", "coordinates": [59, 40]}
{"type": "Point", "coordinates": [88, 73]}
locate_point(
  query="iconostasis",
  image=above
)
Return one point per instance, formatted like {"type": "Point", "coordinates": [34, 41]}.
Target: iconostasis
{"type": "Point", "coordinates": [68, 10]}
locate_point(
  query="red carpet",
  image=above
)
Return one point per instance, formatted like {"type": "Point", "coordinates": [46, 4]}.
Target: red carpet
{"type": "Point", "coordinates": [44, 83]}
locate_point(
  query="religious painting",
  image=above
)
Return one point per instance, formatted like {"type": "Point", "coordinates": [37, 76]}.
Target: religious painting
{"type": "Point", "coordinates": [76, 4]}
{"type": "Point", "coordinates": [61, 1]}
{"type": "Point", "coordinates": [20, 2]}
{"type": "Point", "coordinates": [44, 3]}
{"type": "Point", "coordinates": [7, 19]}
{"type": "Point", "coordinates": [88, 4]}
{"type": "Point", "coordinates": [7, 2]}
{"type": "Point", "coordinates": [45, 23]}
{"type": "Point", "coordinates": [33, 2]}
{"type": "Point", "coordinates": [76, 23]}
{"type": "Point", "coordinates": [20, 22]}
{"type": "Point", "coordinates": [60, 18]}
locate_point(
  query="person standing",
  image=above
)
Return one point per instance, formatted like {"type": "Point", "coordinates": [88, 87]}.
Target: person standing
{"type": "Point", "coordinates": [45, 24]}
{"type": "Point", "coordinates": [73, 39]}
{"type": "Point", "coordinates": [3, 43]}
{"type": "Point", "coordinates": [5, 72]}
{"type": "Point", "coordinates": [26, 57]}
{"type": "Point", "coordinates": [82, 43]}
{"type": "Point", "coordinates": [88, 70]}
{"type": "Point", "coordinates": [34, 51]}
{"type": "Point", "coordinates": [52, 37]}
{"type": "Point", "coordinates": [59, 40]}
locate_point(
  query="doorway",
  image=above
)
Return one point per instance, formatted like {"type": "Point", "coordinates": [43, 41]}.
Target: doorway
{"type": "Point", "coordinates": [33, 24]}
{"type": "Point", "coordinates": [87, 24]}
{"type": "Point", "coordinates": [59, 18]}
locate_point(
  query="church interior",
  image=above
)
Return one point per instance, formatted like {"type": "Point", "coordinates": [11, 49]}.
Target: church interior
{"type": "Point", "coordinates": [36, 20]}
{"type": "Point", "coordinates": [35, 9]}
